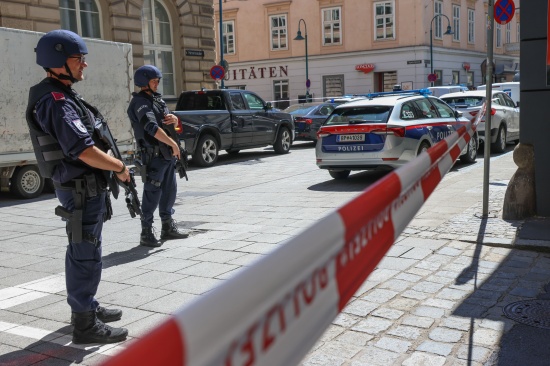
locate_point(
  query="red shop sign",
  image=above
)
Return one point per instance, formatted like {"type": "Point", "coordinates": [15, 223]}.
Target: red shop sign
{"type": "Point", "coordinates": [366, 68]}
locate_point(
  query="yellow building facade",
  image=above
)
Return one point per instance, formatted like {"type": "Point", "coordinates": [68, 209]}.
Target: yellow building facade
{"type": "Point", "coordinates": [358, 46]}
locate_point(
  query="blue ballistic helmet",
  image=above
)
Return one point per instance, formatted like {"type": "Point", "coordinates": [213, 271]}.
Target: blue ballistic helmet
{"type": "Point", "coordinates": [56, 46]}
{"type": "Point", "coordinates": [146, 73]}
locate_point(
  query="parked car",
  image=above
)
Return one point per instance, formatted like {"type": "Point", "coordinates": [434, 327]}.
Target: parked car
{"type": "Point", "coordinates": [386, 131]}
{"type": "Point", "coordinates": [438, 91]}
{"type": "Point", "coordinates": [308, 117]}
{"type": "Point", "coordinates": [511, 88]}
{"type": "Point", "coordinates": [230, 120]}
{"type": "Point", "coordinates": [504, 112]}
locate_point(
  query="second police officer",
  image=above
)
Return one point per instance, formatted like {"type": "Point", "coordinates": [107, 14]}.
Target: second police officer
{"type": "Point", "coordinates": [148, 113]}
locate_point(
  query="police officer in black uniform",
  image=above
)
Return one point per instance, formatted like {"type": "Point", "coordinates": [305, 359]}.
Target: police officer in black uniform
{"type": "Point", "coordinates": [68, 148]}
{"type": "Point", "coordinates": [158, 152]}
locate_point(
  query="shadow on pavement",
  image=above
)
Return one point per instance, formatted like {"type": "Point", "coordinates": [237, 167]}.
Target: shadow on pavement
{"type": "Point", "coordinates": [47, 352]}
{"type": "Point", "coordinates": [520, 275]}
{"type": "Point", "coordinates": [131, 255]}
{"type": "Point", "coordinates": [354, 183]}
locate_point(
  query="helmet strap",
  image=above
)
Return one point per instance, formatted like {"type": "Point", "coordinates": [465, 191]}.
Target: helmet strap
{"type": "Point", "coordinates": [63, 76]}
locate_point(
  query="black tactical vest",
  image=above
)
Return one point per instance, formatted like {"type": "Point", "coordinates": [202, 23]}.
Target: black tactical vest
{"type": "Point", "coordinates": [46, 148]}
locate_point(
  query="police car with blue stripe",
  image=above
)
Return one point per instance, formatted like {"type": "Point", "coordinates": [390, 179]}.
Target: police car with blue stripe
{"type": "Point", "coordinates": [386, 130]}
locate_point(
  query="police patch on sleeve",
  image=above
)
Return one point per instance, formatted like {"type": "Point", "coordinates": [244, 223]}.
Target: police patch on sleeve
{"type": "Point", "coordinates": [78, 123]}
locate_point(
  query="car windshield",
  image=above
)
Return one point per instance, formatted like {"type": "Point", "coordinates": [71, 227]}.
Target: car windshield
{"type": "Point", "coordinates": [464, 102]}
{"type": "Point", "coordinates": [356, 115]}
{"type": "Point", "coordinates": [300, 107]}
{"type": "Point", "coordinates": [300, 111]}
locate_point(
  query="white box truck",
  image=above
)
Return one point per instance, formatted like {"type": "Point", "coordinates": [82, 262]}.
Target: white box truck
{"type": "Point", "coordinates": [511, 88]}
{"type": "Point", "coordinates": [108, 85]}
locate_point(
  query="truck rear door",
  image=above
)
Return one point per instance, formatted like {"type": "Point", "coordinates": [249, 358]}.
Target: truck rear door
{"type": "Point", "coordinates": [242, 121]}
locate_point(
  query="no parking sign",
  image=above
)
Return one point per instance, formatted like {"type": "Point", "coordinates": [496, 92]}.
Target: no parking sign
{"type": "Point", "coordinates": [504, 11]}
{"type": "Point", "coordinates": [217, 72]}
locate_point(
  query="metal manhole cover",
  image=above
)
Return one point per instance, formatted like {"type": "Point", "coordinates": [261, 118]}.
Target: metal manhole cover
{"type": "Point", "coordinates": [532, 312]}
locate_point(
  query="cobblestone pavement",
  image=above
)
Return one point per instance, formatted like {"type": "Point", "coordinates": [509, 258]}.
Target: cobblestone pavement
{"type": "Point", "coordinates": [435, 299]}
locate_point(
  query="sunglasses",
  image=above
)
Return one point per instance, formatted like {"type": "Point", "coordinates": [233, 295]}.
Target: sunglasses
{"type": "Point", "coordinates": [80, 59]}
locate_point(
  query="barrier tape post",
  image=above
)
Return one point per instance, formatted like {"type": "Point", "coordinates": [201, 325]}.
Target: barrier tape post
{"type": "Point", "coordinates": [273, 312]}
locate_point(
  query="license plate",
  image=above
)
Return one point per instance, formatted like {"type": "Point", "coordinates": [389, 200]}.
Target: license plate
{"type": "Point", "coordinates": [351, 138]}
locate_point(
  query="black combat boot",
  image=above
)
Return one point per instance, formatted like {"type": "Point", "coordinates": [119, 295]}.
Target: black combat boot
{"type": "Point", "coordinates": [170, 230]}
{"type": "Point", "coordinates": [105, 315]}
{"type": "Point", "coordinates": [148, 238]}
{"type": "Point", "coordinates": [89, 329]}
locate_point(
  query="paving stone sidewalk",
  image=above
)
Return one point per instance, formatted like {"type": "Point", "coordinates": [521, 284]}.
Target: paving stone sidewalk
{"type": "Point", "coordinates": [438, 296]}
{"type": "Point", "coordinates": [435, 299]}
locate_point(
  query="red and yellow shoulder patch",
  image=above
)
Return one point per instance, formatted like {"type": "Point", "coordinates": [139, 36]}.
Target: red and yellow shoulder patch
{"type": "Point", "coordinates": [57, 96]}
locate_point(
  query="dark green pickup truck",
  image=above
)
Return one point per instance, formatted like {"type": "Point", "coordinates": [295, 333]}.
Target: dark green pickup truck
{"type": "Point", "coordinates": [230, 120]}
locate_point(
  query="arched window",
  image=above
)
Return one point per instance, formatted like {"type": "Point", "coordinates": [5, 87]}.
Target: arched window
{"type": "Point", "coordinates": [157, 43]}
{"type": "Point", "coordinates": [81, 17]}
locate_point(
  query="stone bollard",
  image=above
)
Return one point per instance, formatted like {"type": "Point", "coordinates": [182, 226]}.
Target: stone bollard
{"type": "Point", "coordinates": [519, 201]}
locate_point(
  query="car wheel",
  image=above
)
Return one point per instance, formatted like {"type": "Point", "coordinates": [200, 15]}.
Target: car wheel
{"type": "Point", "coordinates": [27, 182]}
{"type": "Point", "coordinates": [282, 144]}
{"type": "Point", "coordinates": [232, 152]}
{"type": "Point", "coordinates": [500, 144]}
{"type": "Point", "coordinates": [339, 174]}
{"type": "Point", "coordinates": [423, 147]}
{"type": "Point", "coordinates": [471, 154]}
{"type": "Point", "coordinates": [207, 151]}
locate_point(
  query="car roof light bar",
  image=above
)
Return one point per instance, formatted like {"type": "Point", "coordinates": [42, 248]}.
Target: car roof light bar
{"type": "Point", "coordinates": [399, 92]}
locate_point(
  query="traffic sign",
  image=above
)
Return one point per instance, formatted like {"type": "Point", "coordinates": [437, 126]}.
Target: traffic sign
{"type": "Point", "coordinates": [432, 77]}
{"type": "Point", "coordinates": [504, 11]}
{"type": "Point", "coordinates": [217, 72]}
{"type": "Point", "coordinates": [308, 83]}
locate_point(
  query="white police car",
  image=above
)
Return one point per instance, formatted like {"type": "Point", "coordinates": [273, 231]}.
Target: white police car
{"type": "Point", "coordinates": [386, 130]}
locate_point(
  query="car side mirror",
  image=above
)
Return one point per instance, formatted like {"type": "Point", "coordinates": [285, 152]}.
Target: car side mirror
{"type": "Point", "coordinates": [517, 105]}
{"type": "Point", "coordinates": [458, 114]}
{"type": "Point", "coordinates": [268, 106]}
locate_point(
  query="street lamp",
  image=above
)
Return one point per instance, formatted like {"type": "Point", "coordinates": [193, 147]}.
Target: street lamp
{"type": "Point", "coordinates": [300, 38]}
{"type": "Point", "coordinates": [221, 41]}
{"type": "Point", "coordinates": [449, 31]}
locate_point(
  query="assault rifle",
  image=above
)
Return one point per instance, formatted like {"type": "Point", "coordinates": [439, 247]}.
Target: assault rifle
{"type": "Point", "coordinates": [181, 163]}
{"type": "Point", "coordinates": [132, 197]}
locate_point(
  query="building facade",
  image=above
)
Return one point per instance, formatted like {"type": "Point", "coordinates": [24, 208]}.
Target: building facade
{"type": "Point", "coordinates": [359, 46]}
{"type": "Point", "coordinates": [177, 36]}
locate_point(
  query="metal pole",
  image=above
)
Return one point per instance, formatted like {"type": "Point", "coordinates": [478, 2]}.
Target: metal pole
{"type": "Point", "coordinates": [431, 52]}
{"type": "Point", "coordinates": [488, 100]}
{"type": "Point", "coordinates": [222, 86]}
{"type": "Point", "coordinates": [307, 72]}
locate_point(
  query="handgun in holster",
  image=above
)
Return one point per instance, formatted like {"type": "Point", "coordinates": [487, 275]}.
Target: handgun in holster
{"type": "Point", "coordinates": [74, 218]}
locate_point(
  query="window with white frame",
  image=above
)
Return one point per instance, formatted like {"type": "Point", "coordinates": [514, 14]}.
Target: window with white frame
{"type": "Point", "coordinates": [438, 10]}
{"type": "Point", "coordinates": [280, 93]}
{"type": "Point", "coordinates": [384, 20]}
{"type": "Point", "coordinates": [332, 27]}
{"type": "Point", "coordinates": [456, 22]}
{"type": "Point", "coordinates": [228, 30]}
{"type": "Point", "coordinates": [508, 32]}
{"type": "Point", "coordinates": [278, 32]}
{"type": "Point", "coordinates": [471, 26]}
{"type": "Point", "coordinates": [158, 49]}
{"type": "Point", "coordinates": [439, 80]}
{"type": "Point", "coordinates": [456, 77]}
{"type": "Point", "coordinates": [470, 78]}
{"type": "Point", "coordinates": [81, 17]}
{"type": "Point", "coordinates": [498, 35]}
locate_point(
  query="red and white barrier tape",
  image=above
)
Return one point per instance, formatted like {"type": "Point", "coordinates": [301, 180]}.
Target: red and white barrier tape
{"type": "Point", "coordinates": [274, 311]}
